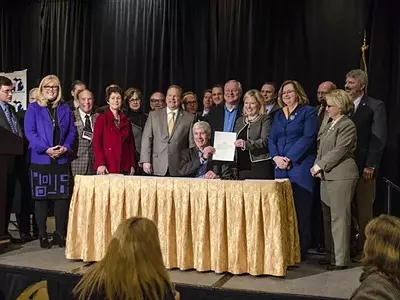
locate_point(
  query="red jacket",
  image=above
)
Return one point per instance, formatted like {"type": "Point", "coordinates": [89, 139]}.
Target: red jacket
{"type": "Point", "coordinates": [113, 147]}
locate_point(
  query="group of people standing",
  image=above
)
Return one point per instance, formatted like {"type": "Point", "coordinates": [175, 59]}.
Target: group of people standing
{"type": "Point", "coordinates": [279, 135]}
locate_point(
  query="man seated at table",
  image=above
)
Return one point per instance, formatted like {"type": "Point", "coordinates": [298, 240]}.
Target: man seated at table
{"type": "Point", "coordinates": [197, 161]}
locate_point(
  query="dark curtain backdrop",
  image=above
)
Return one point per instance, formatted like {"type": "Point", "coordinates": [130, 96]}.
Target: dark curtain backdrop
{"type": "Point", "coordinates": [150, 44]}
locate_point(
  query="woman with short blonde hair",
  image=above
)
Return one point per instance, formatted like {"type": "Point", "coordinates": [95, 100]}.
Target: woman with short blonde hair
{"type": "Point", "coordinates": [341, 99]}
{"type": "Point", "coordinates": [132, 267]}
{"type": "Point", "coordinates": [47, 83]}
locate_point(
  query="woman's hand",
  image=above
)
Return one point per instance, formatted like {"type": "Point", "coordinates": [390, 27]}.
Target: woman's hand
{"type": "Point", "coordinates": [56, 151]}
{"type": "Point", "coordinates": [177, 295]}
{"type": "Point", "coordinates": [240, 143]}
{"type": "Point", "coordinates": [132, 172]}
{"type": "Point", "coordinates": [281, 162]}
{"type": "Point", "coordinates": [102, 170]}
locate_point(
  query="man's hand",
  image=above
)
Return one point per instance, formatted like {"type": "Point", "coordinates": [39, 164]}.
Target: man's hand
{"type": "Point", "coordinates": [208, 151]}
{"type": "Point", "coordinates": [368, 173]}
{"type": "Point", "coordinates": [211, 175]}
{"type": "Point", "coordinates": [147, 168]}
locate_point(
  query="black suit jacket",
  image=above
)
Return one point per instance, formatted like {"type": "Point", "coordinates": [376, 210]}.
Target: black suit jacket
{"type": "Point", "coordinates": [217, 115]}
{"type": "Point", "coordinates": [370, 121]}
{"type": "Point", "coordinates": [274, 109]}
{"type": "Point", "coordinates": [190, 163]}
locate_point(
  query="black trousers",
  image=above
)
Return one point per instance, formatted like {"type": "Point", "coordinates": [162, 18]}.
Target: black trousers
{"type": "Point", "coordinates": [61, 209]}
{"type": "Point", "coordinates": [303, 201]}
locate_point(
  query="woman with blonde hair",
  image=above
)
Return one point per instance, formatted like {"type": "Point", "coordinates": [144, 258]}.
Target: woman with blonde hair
{"type": "Point", "coordinates": [50, 130]}
{"type": "Point", "coordinates": [132, 267]}
{"type": "Point", "coordinates": [253, 160]}
{"type": "Point", "coordinates": [381, 277]}
{"type": "Point", "coordinates": [292, 145]}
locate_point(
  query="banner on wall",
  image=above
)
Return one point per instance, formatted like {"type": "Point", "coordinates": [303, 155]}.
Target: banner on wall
{"type": "Point", "coordinates": [20, 85]}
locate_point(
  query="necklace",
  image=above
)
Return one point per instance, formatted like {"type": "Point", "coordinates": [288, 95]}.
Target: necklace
{"type": "Point", "coordinates": [52, 116]}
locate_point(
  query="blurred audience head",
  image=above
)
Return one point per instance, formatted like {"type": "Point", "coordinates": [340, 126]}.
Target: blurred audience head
{"type": "Point", "coordinates": [189, 102]}
{"type": "Point", "coordinates": [132, 268]}
{"type": "Point", "coordinates": [157, 101]}
{"type": "Point", "coordinates": [291, 93]}
{"type": "Point", "coordinates": [382, 247]}
{"type": "Point", "coordinates": [356, 83]}
{"type": "Point", "coordinates": [133, 99]}
{"type": "Point", "coordinates": [49, 91]}
{"type": "Point", "coordinates": [217, 92]}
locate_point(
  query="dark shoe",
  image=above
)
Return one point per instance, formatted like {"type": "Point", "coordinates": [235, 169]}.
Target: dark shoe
{"type": "Point", "coordinates": [357, 258]}
{"type": "Point", "coordinates": [14, 240]}
{"type": "Point", "coordinates": [26, 237]}
{"type": "Point", "coordinates": [58, 240]}
{"type": "Point", "coordinates": [44, 243]}
{"type": "Point", "coordinates": [336, 268]}
{"type": "Point", "coordinates": [324, 262]}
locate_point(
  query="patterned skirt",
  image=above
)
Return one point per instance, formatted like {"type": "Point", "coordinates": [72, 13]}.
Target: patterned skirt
{"type": "Point", "coordinates": [50, 182]}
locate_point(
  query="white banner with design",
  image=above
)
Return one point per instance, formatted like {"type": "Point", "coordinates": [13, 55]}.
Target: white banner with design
{"type": "Point", "coordinates": [20, 85]}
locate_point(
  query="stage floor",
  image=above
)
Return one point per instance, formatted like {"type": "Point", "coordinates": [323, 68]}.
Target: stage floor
{"type": "Point", "coordinates": [307, 278]}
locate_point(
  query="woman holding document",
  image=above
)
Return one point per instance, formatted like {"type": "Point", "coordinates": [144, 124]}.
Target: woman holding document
{"type": "Point", "coordinates": [253, 128]}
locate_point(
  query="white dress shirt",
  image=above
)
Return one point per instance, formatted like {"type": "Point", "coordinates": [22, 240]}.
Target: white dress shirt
{"type": "Point", "coordinates": [357, 102]}
{"type": "Point", "coordinates": [83, 115]}
{"type": "Point", "coordinates": [169, 115]}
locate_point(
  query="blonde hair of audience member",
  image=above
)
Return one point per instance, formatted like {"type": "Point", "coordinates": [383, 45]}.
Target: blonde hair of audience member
{"type": "Point", "coordinates": [255, 94]}
{"type": "Point", "coordinates": [300, 93]}
{"type": "Point", "coordinates": [185, 103]}
{"type": "Point", "coordinates": [53, 81]}
{"type": "Point", "coordinates": [340, 99]}
{"type": "Point", "coordinates": [132, 267]}
{"type": "Point", "coordinates": [33, 93]}
{"type": "Point", "coordinates": [382, 248]}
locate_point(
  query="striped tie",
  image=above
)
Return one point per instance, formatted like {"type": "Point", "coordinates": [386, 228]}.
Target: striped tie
{"type": "Point", "coordinates": [10, 120]}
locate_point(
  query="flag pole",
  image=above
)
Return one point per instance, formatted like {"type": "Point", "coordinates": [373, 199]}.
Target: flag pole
{"type": "Point", "coordinates": [364, 48]}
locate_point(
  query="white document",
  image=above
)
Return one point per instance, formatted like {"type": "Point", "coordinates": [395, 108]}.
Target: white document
{"type": "Point", "coordinates": [224, 144]}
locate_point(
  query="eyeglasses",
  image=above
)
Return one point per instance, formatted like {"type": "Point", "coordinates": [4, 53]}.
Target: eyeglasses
{"type": "Point", "coordinates": [232, 91]}
{"type": "Point", "coordinates": [51, 87]}
{"type": "Point", "coordinates": [287, 92]}
{"type": "Point", "coordinates": [156, 100]}
{"type": "Point", "coordinates": [134, 100]}
{"type": "Point", "coordinates": [191, 103]}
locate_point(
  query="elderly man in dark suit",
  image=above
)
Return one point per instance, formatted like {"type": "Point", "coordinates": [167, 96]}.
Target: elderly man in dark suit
{"type": "Point", "coordinates": [166, 133]}
{"type": "Point", "coordinates": [369, 116]}
{"type": "Point", "coordinates": [197, 161]}
{"type": "Point", "coordinates": [82, 160]}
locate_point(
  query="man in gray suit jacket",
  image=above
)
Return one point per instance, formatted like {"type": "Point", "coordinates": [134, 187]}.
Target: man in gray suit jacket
{"type": "Point", "coordinates": [82, 160]}
{"type": "Point", "coordinates": [166, 133]}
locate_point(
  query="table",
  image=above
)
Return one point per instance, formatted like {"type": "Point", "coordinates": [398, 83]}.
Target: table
{"type": "Point", "coordinates": [225, 226]}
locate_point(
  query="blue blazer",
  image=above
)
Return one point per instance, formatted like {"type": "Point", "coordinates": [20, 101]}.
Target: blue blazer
{"type": "Point", "coordinates": [295, 138]}
{"type": "Point", "coordinates": [39, 132]}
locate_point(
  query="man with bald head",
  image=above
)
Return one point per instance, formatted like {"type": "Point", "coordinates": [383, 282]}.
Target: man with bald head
{"type": "Point", "coordinates": [323, 89]}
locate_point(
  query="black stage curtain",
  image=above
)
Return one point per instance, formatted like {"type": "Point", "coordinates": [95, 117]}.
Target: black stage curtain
{"type": "Point", "coordinates": [150, 44]}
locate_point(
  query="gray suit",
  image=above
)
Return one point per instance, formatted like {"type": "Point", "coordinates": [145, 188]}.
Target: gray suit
{"type": "Point", "coordinates": [161, 150]}
{"type": "Point", "coordinates": [337, 144]}
{"type": "Point", "coordinates": [82, 160]}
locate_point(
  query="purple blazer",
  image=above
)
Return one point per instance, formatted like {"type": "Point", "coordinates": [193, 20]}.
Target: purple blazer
{"type": "Point", "coordinates": [39, 132]}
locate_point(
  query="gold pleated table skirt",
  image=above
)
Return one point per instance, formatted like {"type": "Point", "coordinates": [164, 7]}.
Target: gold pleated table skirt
{"type": "Point", "coordinates": [224, 226]}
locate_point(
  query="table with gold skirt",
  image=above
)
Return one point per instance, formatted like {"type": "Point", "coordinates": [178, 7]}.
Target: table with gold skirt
{"type": "Point", "coordinates": [224, 226]}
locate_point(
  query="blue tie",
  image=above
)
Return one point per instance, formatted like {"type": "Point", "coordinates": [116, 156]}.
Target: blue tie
{"type": "Point", "coordinates": [10, 120]}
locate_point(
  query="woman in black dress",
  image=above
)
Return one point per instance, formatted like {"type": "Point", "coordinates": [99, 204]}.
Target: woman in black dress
{"type": "Point", "coordinates": [253, 160]}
